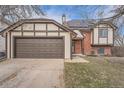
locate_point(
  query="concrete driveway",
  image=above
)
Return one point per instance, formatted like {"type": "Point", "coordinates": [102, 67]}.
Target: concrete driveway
{"type": "Point", "coordinates": [32, 73]}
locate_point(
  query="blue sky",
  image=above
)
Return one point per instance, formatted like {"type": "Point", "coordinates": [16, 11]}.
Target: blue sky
{"type": "Point", "coordinates": [76, 11]}
{"type": "Point", "coordinates": [71, 11]}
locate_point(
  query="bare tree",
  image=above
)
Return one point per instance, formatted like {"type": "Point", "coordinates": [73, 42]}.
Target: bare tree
{"type": "Point", "coordinates": [16, 12]}
{"type": "Point", "coordinates": [117, 18]}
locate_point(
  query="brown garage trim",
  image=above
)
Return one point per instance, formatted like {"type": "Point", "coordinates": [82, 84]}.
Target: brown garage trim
{"type": "Point", "coordinates": [22, 29]}
{"type": "Point", "coordinates": [64, 45]}
{"type": "Point", "coordinates": [10, 43]}
{"type": "Point", "coordinates": [46, 30]}
{"type": "Point", "coordinates": [70, 46]}
{"type": "Point", "coordinates": [98, 45]}
{"type": "Point", "coordinates": [47, 21]}
{"type": "Point", "coordinates": [6, 44]}
{"type": "Point", "coordinates": [14, 50]}
{"type": "Point", "coordinates": [37, 31]}
{"type": "Point", "coordinates": [58, 31]}
{"type": "Point", "coordinates": [81, 46]}
{"type": "Point", "coordinates": [93, 37]}
{"type": "Point", "coordinates": [98, 36]}
{"type": "Point", "coordinates": [14, 47]}
{"type": "Point", "coordinates": [113, 37]}
{"type": "Point", "coordinates": [34, 29]}
{"type": "Point", "coordinates": [107, 35]}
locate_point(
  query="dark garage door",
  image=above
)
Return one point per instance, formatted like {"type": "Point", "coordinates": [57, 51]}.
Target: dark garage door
{"type": "Point", "coordinates": [39, 48]}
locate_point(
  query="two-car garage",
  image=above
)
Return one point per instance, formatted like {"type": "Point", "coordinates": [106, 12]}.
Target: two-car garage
{"type": "Point", "coordinates": [38, 38]}
{"type": "Point", "coordinates": [39, 47]}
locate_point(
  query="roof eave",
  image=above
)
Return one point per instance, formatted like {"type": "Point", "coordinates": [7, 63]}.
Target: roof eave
{"type": "Point", "coordinates": [36, 20]}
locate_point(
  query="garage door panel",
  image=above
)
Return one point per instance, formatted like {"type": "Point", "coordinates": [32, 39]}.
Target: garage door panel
{"type": "Point", "coordinates": [40, 48]}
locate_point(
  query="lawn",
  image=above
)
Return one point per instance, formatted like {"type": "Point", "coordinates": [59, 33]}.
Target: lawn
{"type": "Point", "coordinates": [100, 72]}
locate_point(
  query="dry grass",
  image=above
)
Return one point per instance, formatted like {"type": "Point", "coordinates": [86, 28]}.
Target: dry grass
{"type": "Point", "coordinates": [99, 72]}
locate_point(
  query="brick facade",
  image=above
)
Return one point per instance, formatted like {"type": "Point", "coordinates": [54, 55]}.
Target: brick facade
{"type": "Point", "coordinates": [87, 48]}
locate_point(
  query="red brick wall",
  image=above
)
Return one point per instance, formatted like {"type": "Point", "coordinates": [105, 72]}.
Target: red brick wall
{"type": "Point", "coordinates": [107, 50]}
{"type": "Point", "coordinates": [87, 43]}
{"type": "Point", "coordinates": [86, 46]}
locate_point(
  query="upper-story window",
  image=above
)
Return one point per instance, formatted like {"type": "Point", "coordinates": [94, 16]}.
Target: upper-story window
{"type": "Point", "coordinates": [103, 32]}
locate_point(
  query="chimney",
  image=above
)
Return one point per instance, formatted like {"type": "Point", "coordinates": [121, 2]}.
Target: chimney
{"type": "Point", "coordinates": [63, 19]}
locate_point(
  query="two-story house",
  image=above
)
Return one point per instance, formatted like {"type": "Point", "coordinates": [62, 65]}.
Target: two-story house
{"type": "Point", "coordinates": [93, 37]}
{"type": "Point", "coordinates": [46, 38]}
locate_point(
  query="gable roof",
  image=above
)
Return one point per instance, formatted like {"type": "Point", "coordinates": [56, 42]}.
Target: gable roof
{"type": "Point", "coordinates": [35, 20]}
{"type": "Point", "coordinates": [86, 24]}
{"type": "Point", "coordinates": [79, 23]}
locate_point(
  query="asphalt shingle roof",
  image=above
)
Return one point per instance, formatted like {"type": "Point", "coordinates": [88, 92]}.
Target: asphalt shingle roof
{"type": "Point", "coordinates": [80, 23]}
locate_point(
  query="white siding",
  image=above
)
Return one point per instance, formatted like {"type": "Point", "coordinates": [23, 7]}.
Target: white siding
{"type": "Point", "coordinates": [2, 44]}
{"type": "Point", "coordinates": [52, 27]}
{"type": "Point", "coordinates": [103, 40]}
{"type": "Point", "coordinates": [28, 26]}
{"type": "Point", "coordinates": [40, 26]}
{"type": "Point", "coordinates": [66, 36]}
{"type": "Point", "coordinates": [67, 44]}
{"type": "Point", "coordinates": [95, 35]}
{"type": "Point", "coordinates": [16, 33]}
{"type": "Point", "coordinates": [38, 34]}
{"type": "Point", "coordinates": [110, 36]}
{"type": "Point", "coordinates": [52, 33]}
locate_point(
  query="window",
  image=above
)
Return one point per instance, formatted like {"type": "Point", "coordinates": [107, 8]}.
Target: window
{"type": "Point", "coordinates": [101, 51]}
{"type": "Point", "coordinates": [103, 32]}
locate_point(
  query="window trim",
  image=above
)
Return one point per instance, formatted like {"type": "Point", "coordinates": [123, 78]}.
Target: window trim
{"type": "Point", "coordinates": [103, 30]}
{"type": "Point", "coordinates": [73, 47]}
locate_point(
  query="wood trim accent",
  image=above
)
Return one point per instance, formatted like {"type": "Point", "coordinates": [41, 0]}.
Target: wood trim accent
{"type": "Point", "coordinates": [22, 29]}
{"type": "Point", "coordinates": [70, 46]}
{"type": "Point", "coordinates": [103, 37]}
{"type": "Point", "coordinates": [6, 41]}
{"type": "Point", "coordinates": [10, 44]}
{"type": "Point", "coordinates": [58, 31]}
{"type": "Point", "coordinates": [98, 35]}
{"type": "Point", "coordinates": [14, 51]}
{"type": "Point", "coordinates": [113, 36]}
{"type": "Point", "coordinates": [81, 47]}
{"type": "Point", "coordinates": [46, 29]}
{"type": "Point", "coordinates": [102, 45]}
{"type": "Point", "coordinates": [74, 45]}
{"type": "Point", "coordinates": [102, 27]}
{"type": "Point", "coordinates": [34, 29]}
{"type": "Point", "coordinates": [107, 34]}
{"type": "Point", "coordinates": [64, 45]}
{"type": "Point", "coordinates": [66, 29]}
{"type": "Point", "coordinates": [93, 37]}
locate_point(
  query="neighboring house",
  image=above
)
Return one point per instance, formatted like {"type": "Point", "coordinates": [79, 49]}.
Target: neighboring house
{"type": "Point", "coordinates": [93, 38]}
{"type": "Point", "coordinates": [46, 38]}
{"type": "Point", "coordinates": [3, 24]}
